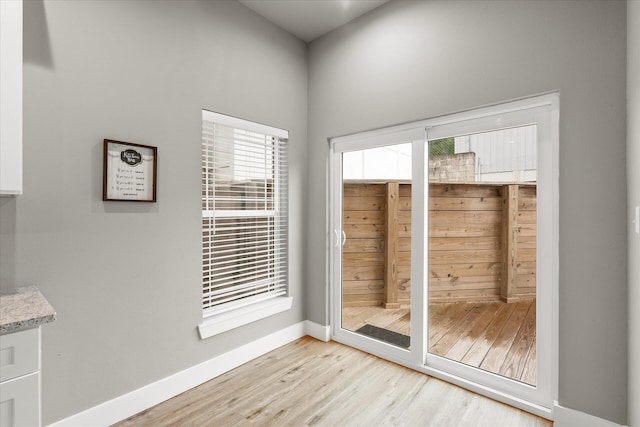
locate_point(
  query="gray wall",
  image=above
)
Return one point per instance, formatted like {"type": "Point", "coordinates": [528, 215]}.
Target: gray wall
{"type": "Point", "coordinates": [633, 178]}
{"type": "Point", "coordinates": [412, 60]}
{"type": "Point", "coordinates": [125, 277]}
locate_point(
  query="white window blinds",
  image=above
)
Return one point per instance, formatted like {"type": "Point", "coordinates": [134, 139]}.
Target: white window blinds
{"type": "Point", "coordinates": [244, 212]}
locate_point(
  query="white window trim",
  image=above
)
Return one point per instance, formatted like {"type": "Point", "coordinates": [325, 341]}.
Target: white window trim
{"type": "Point", "coordinates": [243, 124]}
{"type": "Point", "coordinates": [219, 323]}
{"type": "Point", "coordinates": [234, 317]}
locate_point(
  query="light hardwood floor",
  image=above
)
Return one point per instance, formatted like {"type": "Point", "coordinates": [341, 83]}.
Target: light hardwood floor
{"type": "Point", "coordinates": [495, 336]}
{"type": "Point", "coordinates": [312, 383]}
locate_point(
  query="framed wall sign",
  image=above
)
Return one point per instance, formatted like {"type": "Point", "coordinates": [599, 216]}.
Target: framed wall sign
{"type": "Point", "coordinates": [129, 172]}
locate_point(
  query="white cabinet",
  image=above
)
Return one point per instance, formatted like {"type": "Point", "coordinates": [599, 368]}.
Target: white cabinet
{"type": "Point", "coordinates": [10, 97]}
{"type": "Point", "coordinates": [20, 378]}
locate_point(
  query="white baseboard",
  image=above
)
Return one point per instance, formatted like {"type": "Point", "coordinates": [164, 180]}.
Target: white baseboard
{"type": "Point", "coordinates": [129, 404]}
{"type": "Point", "coordinates": [318, 331]}
{"type": "Point", "coordinates": [566, 417]}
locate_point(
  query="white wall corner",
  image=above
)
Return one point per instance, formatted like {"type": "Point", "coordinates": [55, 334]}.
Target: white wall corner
{"type": "Point", "coordinates": [318, 331]}
{"type": "Point", "coordinates": [566, 417]}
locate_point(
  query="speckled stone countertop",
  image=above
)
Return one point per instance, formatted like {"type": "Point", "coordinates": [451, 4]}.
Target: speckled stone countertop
{"type": "Point", "coordinates": [24, 308]}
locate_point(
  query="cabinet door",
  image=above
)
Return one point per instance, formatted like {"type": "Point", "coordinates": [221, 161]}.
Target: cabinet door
{"type": "Point", "coordinates": [20, 401]}
{"type": "Point", "coordinates": [19, 353]}
{"type": "Point", "coordinates": [11, 97]}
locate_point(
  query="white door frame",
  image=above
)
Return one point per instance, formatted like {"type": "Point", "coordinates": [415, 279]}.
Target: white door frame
{"type": "Point", "coordinates": [542, 110]}
{"type": "Point", "coordinates": [378, 138]}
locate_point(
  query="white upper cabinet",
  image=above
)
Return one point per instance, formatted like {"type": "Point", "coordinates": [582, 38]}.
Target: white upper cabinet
{"type": "Point", "coordinates": [10, 97]}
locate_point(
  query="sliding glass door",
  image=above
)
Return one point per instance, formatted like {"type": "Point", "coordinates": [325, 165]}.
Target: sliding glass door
{"type": "Point", "coordinates": [491, 246]}
{"type": "Point", "coordinates": [373, 183]}
{"type": "Point", "coordinates": [444, 248]}
{"type": "Point", "coordinates": [376, 265]}
{"type": "Point", "coordinates": [482, 250]}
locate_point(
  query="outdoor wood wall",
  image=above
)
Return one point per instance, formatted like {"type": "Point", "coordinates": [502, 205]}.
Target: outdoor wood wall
{"type": "Point", "coordinates": [363, 270]}
{"type": "Point", "coordinates": [482, 243]}
{"type": "Point", "coordinates": [526, 242]}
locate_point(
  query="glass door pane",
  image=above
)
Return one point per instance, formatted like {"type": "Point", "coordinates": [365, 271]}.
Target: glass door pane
{"type": "Point", "coordinates": [482, 251]}
{"type": "Point", "coordinates": [376, 243]}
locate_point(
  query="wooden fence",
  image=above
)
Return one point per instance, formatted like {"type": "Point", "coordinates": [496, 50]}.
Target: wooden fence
{"type": "Point", "coordinates": [482, 242]}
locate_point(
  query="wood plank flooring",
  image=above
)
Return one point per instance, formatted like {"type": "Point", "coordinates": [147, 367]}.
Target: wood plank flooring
{"type": "Point", "coordinates": [312, 383]}
{"type": "Point", "coordinates": [495, 336]}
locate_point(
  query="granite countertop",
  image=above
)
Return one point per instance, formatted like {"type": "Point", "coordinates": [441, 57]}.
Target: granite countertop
{"type": "Point", "coordinates": [24, 308]}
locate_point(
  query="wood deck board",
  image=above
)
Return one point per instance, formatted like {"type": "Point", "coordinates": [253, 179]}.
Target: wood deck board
{"type": "Point", "coordinates": [446, 319]}
{"type": "Point", "coordinates": [456, 332]}
{"type": "Point", "coordinates": [496, 356]}
{"type": "Point", "coordinates": [483, 344]}
{"type": "Point", "coordinates": [529, 374]}
{"type": "Point", "coordinates": [516, 359]}
{"type": "Point", "coordinates": [495, 336]}
{"type": "Point", "coordinates": [312, 383]}
{"type": "Point", "coordinates": [474, 330]}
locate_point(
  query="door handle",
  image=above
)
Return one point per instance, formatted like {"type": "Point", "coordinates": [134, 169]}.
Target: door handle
{"type": "Point", "coordinates": [344, 237]}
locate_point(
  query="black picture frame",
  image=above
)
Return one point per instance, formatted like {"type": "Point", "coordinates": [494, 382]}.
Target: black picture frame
{"type": "Point", "coordinates": [130, 172]}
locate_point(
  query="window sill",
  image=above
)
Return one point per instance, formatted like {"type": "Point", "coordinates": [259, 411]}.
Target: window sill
{"type": "Point", "coordinates": [219, 323]}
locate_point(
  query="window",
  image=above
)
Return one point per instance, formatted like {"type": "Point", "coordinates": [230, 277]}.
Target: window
{"type": "Point", "coordinates": [244, 222]}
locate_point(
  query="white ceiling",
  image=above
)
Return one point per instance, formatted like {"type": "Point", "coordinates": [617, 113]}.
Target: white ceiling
{"type": "Point", "coordinates": [309, 19]}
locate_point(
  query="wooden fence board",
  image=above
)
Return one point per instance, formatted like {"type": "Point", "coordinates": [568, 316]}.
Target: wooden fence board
{"type": "Point", "coordinates": [464, 256]}
{"type": "Point", "coordinates": [404, 258]}
{"type": "Point", "coordinates": [364, 217]}
{"type": "Point", "coordinates": [463, 279]}
{"type": "Point", "coordinates": [466, 217]}
{"type": "Point", "coordinates": [457, 190]}
{"type": "Point", "coordinates": [364, 286]}
{"type": "Point", "coordinates": [363, 231]}
{"type": "Point", "coordinates": [527, 191]}
{"type": "Point", "coordinates": [403, 230]}
{"type": "Point", "coordinates": [526, 254]}
{"type": "Point", "coordinates": [463, 243]}
{"type": "Point", "coordinates": [404, 216]}
{"type": "Point", "coordinates": [465, 295]}
{"type": "Point", "coordinates": [526, 267]}
{"type": "Point", "coordinates": [359, 258]}
{"type": "Point", "coordinates": [527, 217]}
{"type": "Point", "coordinates": [363, 245]}
{"type": "Point", "coordinates": [404, 244]}
{"type": "Point", "coordinates": [360, 190]}
{"type": "Point", "coordinates": [527, 230]}
{"type": "Point", "coordinates": [526, 281]}
{"type": "Point", "coordinates": [462, 269]}
{"type": "Point", "coordinates": [528, 204]}
{"type": "Point", "coordinates": [463, 190]}
{"type": "Point", "coordinates": [465, 230]}
{"type": "Point", "coordinates": [465, 204]}
{"type": "Point", "coordinates": [465, 233]}
{"type": "Point", "coordinates": [364, 203]}
{"type": "Point", "coordinates": [362, 272]}
{"type": "Point", "coordinates": [526, 242]}
{"type": "Point", "coordinates": [361, 300]}
{"type": "Point", "coordinates": [405, 204]}
{"type": "Point", "coordinates": [461, 285]}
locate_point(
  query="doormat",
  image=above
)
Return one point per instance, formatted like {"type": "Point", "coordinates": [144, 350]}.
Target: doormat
{"type": "Point", "coordinates": [385, 335]}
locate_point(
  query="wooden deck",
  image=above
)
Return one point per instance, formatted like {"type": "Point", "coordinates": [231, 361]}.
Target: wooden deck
{"type": "Point", "coordinates": [312, 383]}
{"type": "Point", "coordinates": [497, 337]}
